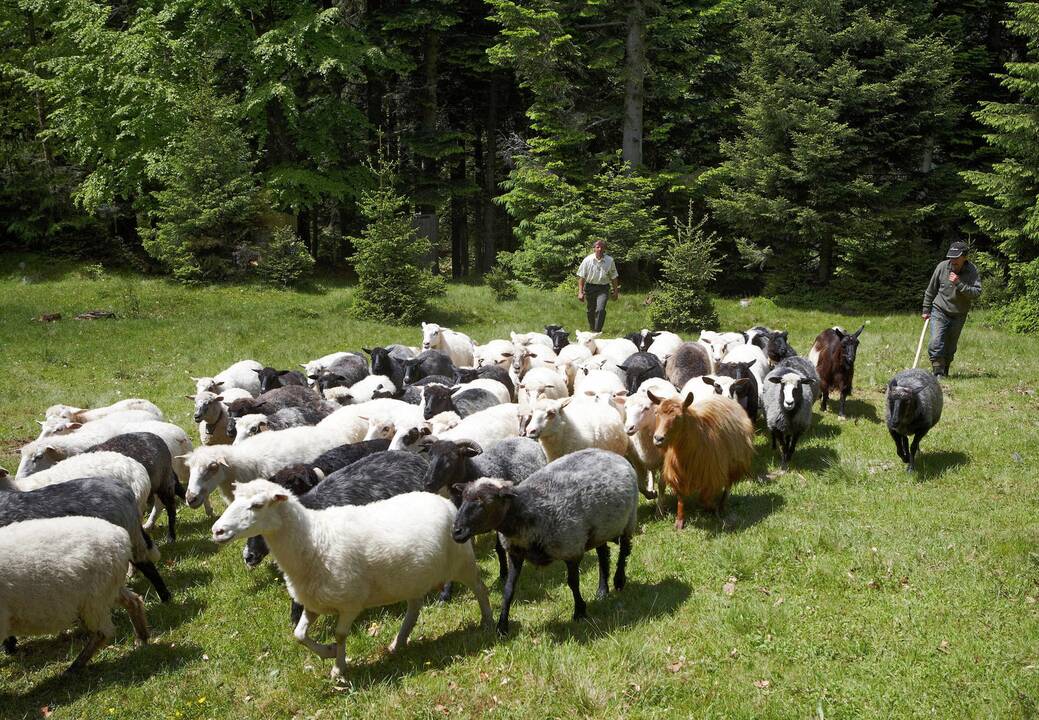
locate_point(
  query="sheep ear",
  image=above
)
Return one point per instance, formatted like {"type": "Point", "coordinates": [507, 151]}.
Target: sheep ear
{"type": "Point", "coordinates": [459, 487]}
{"type": "Point", "coordinates": [185, 456]}
{"type": "Point", "coordinates": [741, 383]}
{"type": "Point", "coordinates": [75, 426]}
{"type": "Point", "coordinates": [653, 398]}
{"type": "Point", "coordinates": [4, 472]}
{"type": "Point", "coordinates": [302, 365]}
{"type": "Point", "coordinates": [565, 402]}
{"type": "Point", "coordinates": [219, 397]}
{"type": "Point", "coordinates": [257, 371]}
{"type": "Point", "coordinates": [222, 461]}
{"type": "Point", "coordinates": [708, 380]}
{"type": "Point", "coordinates": [839, 333]}
{"type": "Point", "coordinates": [859, 331]}
{"type": "Point", "coordinates": [774, 379]}
{"type": "Point", "coordinates": [468, 448]}
{"type": "Point", "coordinates": [622, 367]}
{"type": "Point", "coordinates": [218, 384]}
{"type": "Point", "coordinates": [318, 473]}
{"type": "Point", "coordinates": [279, 497]}
{"type": "Point", "coordinates": [688, 401]}
{"type": "Point", "coordinates": [43, 423]}
{"type": "Point", "coordinates": [194, 378]}
{"type": "Point", "coordinates": [312, 377]}
{"type": "Point", "coordinates": [367, 350]}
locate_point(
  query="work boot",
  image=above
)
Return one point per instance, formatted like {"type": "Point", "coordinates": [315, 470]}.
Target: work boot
{"type": "Point", "coordinates": [938, 369]}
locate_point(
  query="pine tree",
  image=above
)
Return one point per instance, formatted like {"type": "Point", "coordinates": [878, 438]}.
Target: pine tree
{"type": "Point", "coordinates": [1011, 188]}
{"type": "Point", "coordinates": [393, 284]}
{"type": "Point", "coordinates": [682, 302]}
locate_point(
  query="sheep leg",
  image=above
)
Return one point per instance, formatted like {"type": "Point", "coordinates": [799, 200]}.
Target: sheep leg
{"type": "Point", "coordinates": [95, 641]}
{"type": "Point", "coordinates": [826, 399]}
{"type": "Point", "coordinates": [445, 593]}
{"type": "Point", "coordinates": [169, 501]}
{"type": "Point", "coordinates": [503, 562]}
{"type": "Point", "coordinates": [603, 552]}
{"type": "Point", "coordinates": [135, 609]}
{"type": "Point", "coordinates": [898, 446]}
{"type": "Point", "coordinates": [619, 577]}
{"type": "Point", "coordinates": [410, 618]}
{"type": "Point", "coordinates": [844, 398]}
{"type": "Point", "coordinates": [515, 566]}
{"type": "Point", "coordinates": [913, 450]}
{"type": "Point", "coordinates": [295, 613]}
{"type": "Point", "coordinates": [475, 584]}
{"type": "Point", "coordinates": [573, 579]}
{"type": "Point", "coordinates": [10, 645]}
{"type": "Point", "coordinates": [209, 508]}
{"type": "Point", "coordinates": [150, 522]}
{"type": "Point", "coordinates": [301, 633]}
{"type": "Point", "coordinates": [343, 623]}
{"type": "Point", "coordinates": [148, 569]}
{"type": "Point", "coordinates": [775, 433]}
{"type": "Point", "coordinates": [680, 515]}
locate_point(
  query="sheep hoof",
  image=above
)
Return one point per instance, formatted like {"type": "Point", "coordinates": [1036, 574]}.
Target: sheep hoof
{"type": "Point", "coordinates": [503, 629]}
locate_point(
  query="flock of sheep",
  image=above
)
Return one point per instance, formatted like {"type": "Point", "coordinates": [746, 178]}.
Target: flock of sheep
{"type": "Point", "coordinates": [546, 442]}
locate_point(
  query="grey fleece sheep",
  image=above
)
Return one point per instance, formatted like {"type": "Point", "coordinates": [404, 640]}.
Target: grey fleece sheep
{"type": "Point", "coordinates": [150, 451]}
{"type": "Point", "coordinates": [428, 362]}
{"type": "Point", "coordinates": [580, 501]}
{"type": "Point", "coordinates": [90, 497]}
{"type": "Point", "coordinates": [690, 360]}
{"type": "Point", "coordinates": [640, 367]}
{"type": "Point", "coordinates": [274, 400]}
{"type": "Point", "coordinates": [790, 391]}
{"type": "Point", "coordinates": [438, 398]}
{"type": "Point", "coordinates": [346, 370]}
{"type": "Point", "coordinates": [914, 406]}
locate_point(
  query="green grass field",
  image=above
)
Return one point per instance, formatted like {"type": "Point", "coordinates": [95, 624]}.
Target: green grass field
{"type": "Point", "coordinates": [843, 588]}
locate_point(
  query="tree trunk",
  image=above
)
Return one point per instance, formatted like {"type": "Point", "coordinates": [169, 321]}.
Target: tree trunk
{"type": "Point", "coordinates": [430, 164]}
{"type": "Point", "coordinates": [30, 26]}
{"type": "Point", "coordinates": [634, 86]}
{"type": "Point", "coordinates": [459, 220]}
{"type": "Point", "coordinates": [826, 248]}
{"type": "Point", "coordinates": [488, 249]}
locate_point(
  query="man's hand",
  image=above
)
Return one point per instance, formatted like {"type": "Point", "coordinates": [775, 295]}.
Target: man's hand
{"type": "Point", "coordinates": [953, 277]}
{"type": "Point", "coordinates": [616, 293]}
{"type": "Point", "coordinates": [926, 316]}
{"type": "Point", "coordinates": [580, 294]}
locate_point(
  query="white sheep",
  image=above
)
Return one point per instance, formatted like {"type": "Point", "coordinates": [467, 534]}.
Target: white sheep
{"type": "Point", "coordinates": [527, 357]}
{"type": "Point", "coordinates": [362, 390]}
{"type": "Point", "coordinates": [664, 345]}
{"type": "Point", "coordinates": [486, 428]}
{"type": "Point", "coordinates": [458, 346]}
{"type": "Point", "coordinates": [601, 385]}
{"type": "Point", "coordinates": [60, 570]}
{"type": "Point", "coordinates": [700, 388]}
{"type": "Point", "coordinates": [599, 362]}
{"type": "Point", "coordinates": [59, 425]}
{"type": "Point", "coordinates": [568, 360]}
{"type": "Point", "coordinates": [343, 560]}
{"type": "Point", "coordinates": [243, 374]}
{"type": "Point", "coordinates": [640, 420]}
{"type": "Point", "coordinates": [531, 338]}
{"type": "Point", "coordinates": [353, 421]}
{"type": "Point", "coordinates": [406, 436]}
{"type": "Point", "coordinates": [105, 464]}
{"type": "Point", "coordinates": [541, 382]}
{"type": "Point", "coordinates": [616, 349]}
{"type": "Point", "coordinates": [495, 352]}
{"type": "Point", "coordinates": [219, 466]}
{"type": "Point", "coordinates": [566, 426]}
{"type": "Point", "coordinates": [85, 415]}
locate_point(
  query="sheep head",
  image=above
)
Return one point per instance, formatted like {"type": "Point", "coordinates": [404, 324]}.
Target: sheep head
{"type": "Point", "coordinates": [207, 470]}
{"type": "Point", "coordinates": [668, 412]}
{"type": "Point", "coordinates": [250, 513]}
{"type": "Point", "coordinates": [485, 504]}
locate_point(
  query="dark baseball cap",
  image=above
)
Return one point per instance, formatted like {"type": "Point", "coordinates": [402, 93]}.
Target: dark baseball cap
{"type": "Point", "coordinates": [956, 250]}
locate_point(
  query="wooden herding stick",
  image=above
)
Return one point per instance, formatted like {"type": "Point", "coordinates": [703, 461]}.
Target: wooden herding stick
{"type": "Point", "coordinates": [920, 345]}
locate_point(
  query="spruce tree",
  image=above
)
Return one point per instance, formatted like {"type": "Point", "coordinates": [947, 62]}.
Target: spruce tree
{"type": "Point", "coordinates": [1010, 213]}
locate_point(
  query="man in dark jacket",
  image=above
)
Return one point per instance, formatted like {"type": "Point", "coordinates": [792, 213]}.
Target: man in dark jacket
{"type": "Point", "coordinates": [954, 287]}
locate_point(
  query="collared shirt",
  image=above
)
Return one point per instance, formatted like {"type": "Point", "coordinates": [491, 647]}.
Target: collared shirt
{"type": "Point", "coordinates": [597, 272]}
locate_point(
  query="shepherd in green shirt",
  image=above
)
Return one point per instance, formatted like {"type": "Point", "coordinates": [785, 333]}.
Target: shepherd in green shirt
{"type": "Point", "coordinates": [954, 287]}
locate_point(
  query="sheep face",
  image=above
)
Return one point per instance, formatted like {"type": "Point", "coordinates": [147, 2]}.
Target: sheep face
{"type": "Point", "coordinates": [381, 362]}
{"type": "Point", "coordinates": [849, 345]}
{"type": "Point", "coordinates": [59, 425]}
{"type": "Point", "coordinates": [778, 347]}
{"type": "Point", "coordinates": [207, 384]}
{"type": "Point", "coordinates": [250, 513]}
{"type": "Point", "coordinates": [380, 430]}
{"type": "Point", "coordinates": [207, 406]}
{"type": "Point", "coordinates": [249, 425]}
{"type": "Point", "coordinates": [39, 457]}
{"type": "Point", "coordinates": [587, 339]}
{"type": "Point", "coordinates": [485, 504]}
{"type": "Point", "coordinates": [791, 389]}
{"type": "Point", "coordinates": [902, 404]}
{"type": "Point", "coordinates": [447, 462]}
{"type": "Point", "coordinates": [560, 339]}
{"type": "Point", "coordinates": [207, 470]}
{"type": "Point", "coordinates": [411, 371]}
{"type": "Point", "coordinates": [432, 336]}
{"type": "Point", "coordinates": [638, 413]}
{"type": "Point", "coordinates": [668, 411]}
{"type": "Point", "coordinates": [544, 420]}
{"type": "Point", "coordinates": [435, 400]}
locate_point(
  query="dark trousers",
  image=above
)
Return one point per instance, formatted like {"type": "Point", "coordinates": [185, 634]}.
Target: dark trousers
{"type": "Point", "coordinates": [945, 334]}
{"type": "Point", "coordinates": [595, 297]}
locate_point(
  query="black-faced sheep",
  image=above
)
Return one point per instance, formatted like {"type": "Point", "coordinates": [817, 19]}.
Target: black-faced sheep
{"type": "Point", "coordinates": [438, 398]}
{"type": "Point", "coordinates": [429, 362]}
{"type": "Point", "coordinates": [577, 503]}
{"type": "Point", "coordinates": [914, 406]}
{"type": "Point", "coordinates": [640, 367]}
{"type": "Point", "coordinates": [271, 378]}
{"type": "Point", "coordinates": [489, 372]}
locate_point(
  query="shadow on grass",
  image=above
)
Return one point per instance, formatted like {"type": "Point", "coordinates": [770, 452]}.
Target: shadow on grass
{"type": "Point", "coordinates": [60, 689]}
{"type": "Point", "coordinates": [971, 375]}
{"type": "Point", "coordinates": [741, 513]}
{"type": "Point", "coordinates": [859, 410]}
{"type": "Point", "coordinates": [635, 603]}
{"type": "Point", "coordinates": [819, 430]}
{"type": "Point", "coordinates": [930, 465]}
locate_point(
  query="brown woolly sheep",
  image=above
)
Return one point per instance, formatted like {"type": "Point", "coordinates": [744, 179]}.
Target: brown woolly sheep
{"type": "Point", "coordinates": [709, 446]}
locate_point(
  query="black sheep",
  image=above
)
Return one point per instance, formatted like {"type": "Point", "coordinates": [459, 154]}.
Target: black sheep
{"type": "Point", "coordinates": [914, 406]}
{"type": "Point", "coordinates": [271, 378]}
{"type": "Point", "coordinates": [429, 362]}
{"type": "Point", "coordinates": [638, 368]}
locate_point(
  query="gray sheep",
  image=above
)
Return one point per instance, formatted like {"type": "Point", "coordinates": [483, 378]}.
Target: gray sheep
{"type": "Point", "coordinates": [429, 362]}
{"type": "Point", "coordinates": [640, 367]}
{"type": "Point", "coordinates": [274, 400]}
{"type": "Point", "coordinates": [790, 391]}
{"type": "Point", "coordinates": [438, 398]}
{"type": "Point", "coordinates": [690, 360]}
{"type": "Point", "coordinates": [346, 371]}
{"type": "Point", "coordinates": [150, 451]}
{"type": "Point", "coordinates": [579, 502]}
{"type": "Point", "coordinates": [914, 406]}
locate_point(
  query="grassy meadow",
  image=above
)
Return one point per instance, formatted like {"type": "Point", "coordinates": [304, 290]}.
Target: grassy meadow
{"type": "Point", "coordinates": [842, 588]}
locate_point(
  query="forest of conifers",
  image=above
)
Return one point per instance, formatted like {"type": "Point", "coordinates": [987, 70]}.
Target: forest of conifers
{"type": "Point", "coordinates": [832, 147]}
